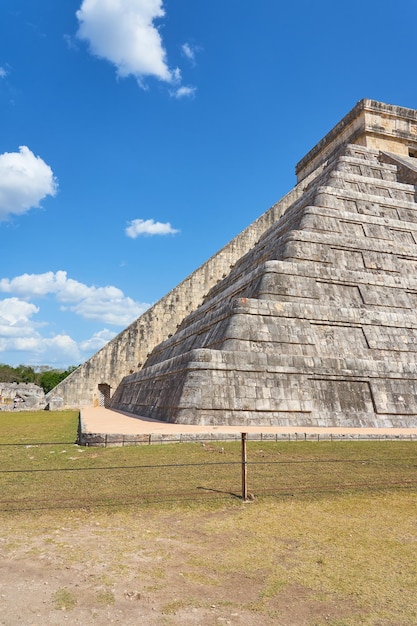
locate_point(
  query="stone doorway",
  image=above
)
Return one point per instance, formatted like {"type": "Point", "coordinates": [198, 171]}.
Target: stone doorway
{"type": "Point", "coordinates": [104, 394]}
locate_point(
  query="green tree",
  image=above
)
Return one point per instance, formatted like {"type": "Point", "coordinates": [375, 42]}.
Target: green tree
{"type": "Point", "coordinates": [44, 376]}
{"type": "Point", "coordinates": [19, 374]}
{"type": "Point", "coordinates": [7, 374]}
{"type": "Point", "coordinates": [50, 378]}
{"type": "Point", "coordinates": [26, 374]}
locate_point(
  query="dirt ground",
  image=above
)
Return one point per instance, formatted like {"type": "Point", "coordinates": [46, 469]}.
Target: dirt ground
{"type": "Point", "coordinates": [146, 567]}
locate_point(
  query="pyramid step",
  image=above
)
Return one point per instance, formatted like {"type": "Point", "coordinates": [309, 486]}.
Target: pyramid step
{"type": "Point", "coordinates": [368, 169]}
{"type": "Point", "coordinates": [331, 222]}
{"type": "Point", "coordinates": [341, 275]}
{"type": "Point", "coordinates": [269, 246]}
{"type": "Point", "coordinates": [219, 387]}
{"type": "Point", "coordinates": [334, 221]}
{"type": "Point", "coordinates": [305, 280]}
{"type": "Point", "coordinates": [374, 170]}
{"type": "Point", "coordinates": [340, 285]}
{"type": "Point", "coordinates": [361, 152]}
{"type": "Point", "coordinates": [369, 254]}
{"type": "Point", "coordinates": [367, 204]}
{"type": "Point", "coordinates": [296, 328]}
{"type": "Point", "coordinates": [371, 186]}
{"type": "Point", "coordinates": [341, 215]}
{"type": "Point", "coordinates": [352, 249]}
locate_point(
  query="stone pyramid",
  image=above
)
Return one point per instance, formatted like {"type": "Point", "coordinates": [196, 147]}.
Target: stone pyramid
{"type": "Point", "coordinates": [316, 324]}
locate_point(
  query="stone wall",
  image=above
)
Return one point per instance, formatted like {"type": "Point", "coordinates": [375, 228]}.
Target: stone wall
{"type": "Point", "coordinates": [29, 396]}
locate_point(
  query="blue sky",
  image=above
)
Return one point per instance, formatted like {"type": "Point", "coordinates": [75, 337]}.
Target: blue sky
{"type": "Point", "coordinates": [140, 136]}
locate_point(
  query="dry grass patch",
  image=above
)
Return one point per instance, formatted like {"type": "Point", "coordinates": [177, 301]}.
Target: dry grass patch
{"type": "Point", "coordinates": [344, 560]}
{"type": "Point", "coordinates": [63, 600]}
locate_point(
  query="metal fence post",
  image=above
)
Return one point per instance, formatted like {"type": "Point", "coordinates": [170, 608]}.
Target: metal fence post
{"type": "Point", "coordinates": [244, 469]}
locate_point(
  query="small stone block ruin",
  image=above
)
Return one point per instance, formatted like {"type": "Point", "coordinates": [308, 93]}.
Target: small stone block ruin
{"type": "Point", "coordinates": [315, 323]}
{"type": "Point", "coordinates": [21, 396]}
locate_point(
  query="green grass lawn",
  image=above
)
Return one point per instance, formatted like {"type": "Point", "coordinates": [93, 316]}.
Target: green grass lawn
{"type": "Point", "coordinates": [25, 427]}
{"type": "Point", "coordinates": [331, 535]}
{"type": "Point", "coordinates": [36, 472]}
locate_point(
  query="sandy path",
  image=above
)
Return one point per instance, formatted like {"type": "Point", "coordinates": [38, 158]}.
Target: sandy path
{"type": "Point", "coordinates": [101, 420]}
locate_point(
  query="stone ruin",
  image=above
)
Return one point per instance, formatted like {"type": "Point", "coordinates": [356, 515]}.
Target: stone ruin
{"type": "Point", "coordinates": [307, 318]}
{"type": "Point", "coordinates": [21, 396]}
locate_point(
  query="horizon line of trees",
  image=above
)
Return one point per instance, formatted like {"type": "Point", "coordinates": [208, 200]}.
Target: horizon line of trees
{"type": "Point", "coordinates": [42, 375]}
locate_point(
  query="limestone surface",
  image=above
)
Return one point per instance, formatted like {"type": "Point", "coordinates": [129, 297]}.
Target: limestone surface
{"type": "Point", "coordinates": [21, 396]}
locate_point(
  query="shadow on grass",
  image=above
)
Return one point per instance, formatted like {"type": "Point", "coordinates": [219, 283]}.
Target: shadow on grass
{"type": "Point", "coordinates": [227, 493]}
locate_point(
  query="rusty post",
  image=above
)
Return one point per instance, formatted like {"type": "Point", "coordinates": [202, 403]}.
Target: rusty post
{"type": "Point", "coordinates": [244, 470]}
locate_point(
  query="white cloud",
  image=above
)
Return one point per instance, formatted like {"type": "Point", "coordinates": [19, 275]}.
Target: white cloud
{"type": "Point", "coordinates": [118, 311]}
{"type": "Point", "coordinates": [60, 350]}
{"type": "Point", "coordinates": [25, 180]}
{"type": "Point", "coordinates": [15, 317]}
{"type": "Point", "coordinates": [124, 33]}
{"type": "Point", "coordinates": [70, 41]}
{"type": "Point", "coordinates": [19, 333]}
{"type": "Point", "coordinates": [97, 341]}
{"type": "Point", "coordinates": [183, 92]}
{"type": "Point", "coordinates": [3, 72]}
{"type": "Point", "coordinates": [24, 339]}
{"type": "Point", "coordinates": [149, 227]}
{"type": "Point", "coordinates": [105, 304]}
{"type": "Point", "coordinates": [189, 52]}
